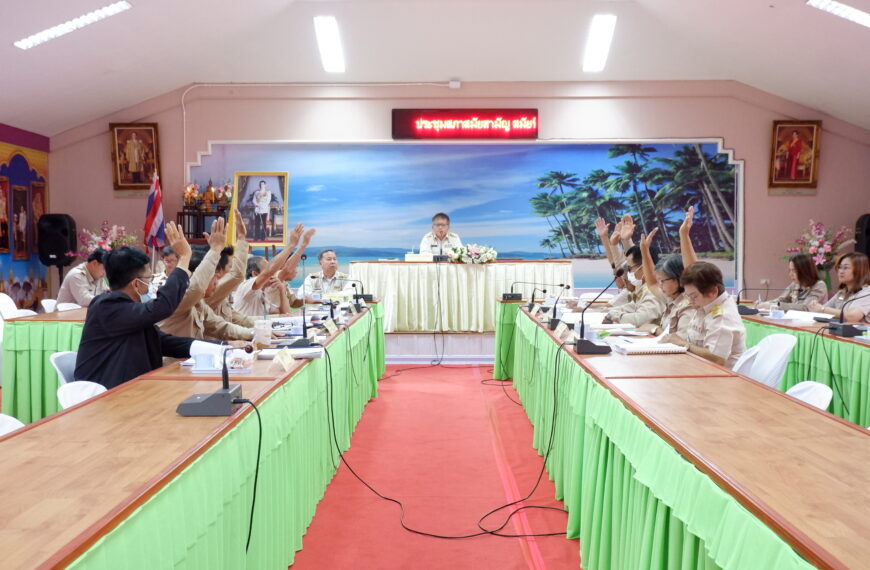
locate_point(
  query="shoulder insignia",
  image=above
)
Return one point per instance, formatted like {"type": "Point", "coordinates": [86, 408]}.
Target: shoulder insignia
{"type": "Point", "coordinates": [451, 234]}
{"type": "Point", "coordinates": [716, 311]}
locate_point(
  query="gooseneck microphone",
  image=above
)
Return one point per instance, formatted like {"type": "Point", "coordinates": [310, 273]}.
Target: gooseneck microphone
{"type": "Point", "coordinates": [519, 297]}
{"type": "Point", "coordinates": [584, 346]}
{"type": "Point", "coordinates": [841, 328]}
{"type": "Point", "coordinates": [554, 322]}
{"type": "Point", "coordinates": [532, 300]}
{"type": "Point", "coordinates": [218, 403]}
{"type": "Point", "coordinates": [368, 298]}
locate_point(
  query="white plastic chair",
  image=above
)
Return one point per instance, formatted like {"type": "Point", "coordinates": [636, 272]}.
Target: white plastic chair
{"type": "Point", "coordinates": [9, 424]}
{"type": "Point", "coordinates": [49, 305]}
{"type": "Point", "coordinates": [8, 309]}
{"type": "Point", "coordinates": [813, 393]}
{"type": "Point", "coordinates": [71, 394]}
{"type": "Point", "coordinates": [67, 306]}
{"type": "Point", "coordinates": [65, 364]}
{"type": "Point", "coordinates": [766, 361]}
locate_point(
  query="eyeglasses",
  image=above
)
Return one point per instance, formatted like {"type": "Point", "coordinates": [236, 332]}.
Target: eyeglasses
{"type": "Point", "coordinates": [634, 268]}
{"type": "Point", "coordinates": [663, 281]}
{"type": "Point", "coordinates": [692, 296]}
{"type": "Point", "coordinates": [145, 280]}
{"type": "Point", "coordinates": [440, 225]}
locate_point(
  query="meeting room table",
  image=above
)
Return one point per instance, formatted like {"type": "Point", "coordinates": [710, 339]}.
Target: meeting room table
{"type": "Point", "coordinates": [123, 481]}
{"type": "Point", "coordinates": [842, 363]}
{"type": "Point", "coordinates": [456, 297]}
{"type": "Point", "coordinates": [30, 382]}
{"type": "Point", "coordinates": [671, 461]}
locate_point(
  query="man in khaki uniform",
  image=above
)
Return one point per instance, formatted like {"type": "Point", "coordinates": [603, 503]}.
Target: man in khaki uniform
{"type": "Point", "coordinates": [328, 280]}
{"type": "Point", "coordinates": [84, 281]}
{"type": "Point", "coordinates": [193, 317]}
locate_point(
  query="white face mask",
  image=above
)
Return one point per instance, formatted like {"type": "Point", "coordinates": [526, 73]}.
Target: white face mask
{"type": "Point", "coordinates": [634, 280]}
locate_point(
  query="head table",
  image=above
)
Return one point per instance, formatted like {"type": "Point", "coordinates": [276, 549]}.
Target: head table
{"type": "Point", "coordinates": [456, 297]}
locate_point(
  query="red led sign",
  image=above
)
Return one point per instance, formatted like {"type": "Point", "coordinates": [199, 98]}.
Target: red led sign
{"type": "Point", "coordinates": [465, 124]}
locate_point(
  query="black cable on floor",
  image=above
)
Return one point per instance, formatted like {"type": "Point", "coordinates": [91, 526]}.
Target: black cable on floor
{"type": "Point", "coordinates": [396, 501]}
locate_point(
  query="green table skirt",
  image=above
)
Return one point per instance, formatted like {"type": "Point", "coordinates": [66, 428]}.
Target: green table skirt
{"type": "Point", "coordinates": [29, 380]}
{"type": "Point", "coordinates": [200, 518]}
{"type": "Point", "coordinates": [844, 366]}
{"type": "Point", "coordinates": [505, 317]}
{"type": "Point", "coordinates": [633, 501]}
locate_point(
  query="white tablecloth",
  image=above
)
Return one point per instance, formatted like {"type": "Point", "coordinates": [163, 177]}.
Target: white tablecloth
{"type": "Point", "coordinates": [449, 296]}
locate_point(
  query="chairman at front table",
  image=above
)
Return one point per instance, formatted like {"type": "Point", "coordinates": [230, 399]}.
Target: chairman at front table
{"type": "Point", "coordinates": [440, 240]}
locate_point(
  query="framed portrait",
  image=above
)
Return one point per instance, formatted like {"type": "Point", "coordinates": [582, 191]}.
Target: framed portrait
{"type": "Point", "coordinates": [20, 223]}
{"type": "Point", "coordinates": [135, 156]}
{"type": "Point", "coordinates": [794, 156]}
{"type": "Point", "coordinates": [4, 214]}
{"type": "Point", "coordinates": [38, 207]}
{"type": "Point", "coordinates": [261, 198]}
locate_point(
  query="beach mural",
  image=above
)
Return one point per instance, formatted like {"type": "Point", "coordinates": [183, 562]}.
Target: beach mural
{"type": "Point", "coordinates": [531, 201]}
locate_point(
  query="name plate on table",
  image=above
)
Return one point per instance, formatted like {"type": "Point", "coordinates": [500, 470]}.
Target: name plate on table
{"type": "Point", "coordinates": [422, 256]}
{"type": "Point", "coordinates": [536, 308]}
{"type": "Point", "coordinates": [330, 326]}
{"type": "Point", "coordinates": [560, 329]}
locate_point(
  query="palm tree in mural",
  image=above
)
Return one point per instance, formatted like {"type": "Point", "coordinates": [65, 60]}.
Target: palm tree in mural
{"type": "Point", "coordinates": [549, 244]}
{"type": "Point", "coordinates": [629, 173]}
{"type": "Point", "coordinates": [555, 180]}
{"type": "Point", "coordinates": [548, 206]}
{"type": "Point", "coordinates": [707, 182]}
{"type": "Point", "coordinates": [607, 205]}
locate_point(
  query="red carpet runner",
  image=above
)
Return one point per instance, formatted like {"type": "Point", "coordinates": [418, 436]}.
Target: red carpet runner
{"type": "Point", "coordinates": [451, 449]}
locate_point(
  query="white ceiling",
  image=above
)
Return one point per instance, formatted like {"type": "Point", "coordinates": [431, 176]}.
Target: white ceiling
{"type": "Point", "coordinates": [780, 46]}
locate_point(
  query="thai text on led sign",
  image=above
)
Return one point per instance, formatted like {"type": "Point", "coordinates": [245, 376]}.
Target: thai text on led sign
{"type": "Point", "coordinates": [465, 123]}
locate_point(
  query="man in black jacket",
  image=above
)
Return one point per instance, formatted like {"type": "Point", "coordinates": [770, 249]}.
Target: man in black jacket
{"type": "Point", "coordinates": [120, 340]}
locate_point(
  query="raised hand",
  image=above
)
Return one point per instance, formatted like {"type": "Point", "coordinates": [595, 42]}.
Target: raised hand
{"type": "Point", "coordinates": [177, 241]}
{"type": "Point", "coordinates": [627, 230]}
{"type": "Point", "coordinates": [601, 227]}
{"type": "Point", "coordinates": [687, 222]}
{"type": "Point", "coordinates": [217, 239]}
{"type": "Point", "coordinates": [241, 230]}
{"type": "Point", "coordinates": [295, 234]}
{"type": "Point", "coordinates": [646, 240]}
{"type": "Point", "coordinates": [614, 238]}
{"type": "Point", "coordinates": [306, 239]}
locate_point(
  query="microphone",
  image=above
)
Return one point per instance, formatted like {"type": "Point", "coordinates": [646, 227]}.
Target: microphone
{"type": "Point", "coordinates": [841, 328]}
{"type": "Point", "coordinates": [744, 310]}
{"type": "Point", "coordinates": [218, 403]}
{"type": "Point", "coordinates": [532, 300]}
{"type": "Point", "coordinates": [554, 322]}
{"type": "Point", "coordinates": [584, 346]}
{"type": "Point", "coordinates": [367, 297]}
{"type": "Point", "coordinates": [518, 296]}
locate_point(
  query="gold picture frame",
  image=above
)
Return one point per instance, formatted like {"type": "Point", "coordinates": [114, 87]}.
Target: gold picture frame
{"type": "Point", "coordinates": [135, 157]}
{"type": "Point", "coordinates": [263, 228]}
{"type": "Point", "coordinates": [794, 157]}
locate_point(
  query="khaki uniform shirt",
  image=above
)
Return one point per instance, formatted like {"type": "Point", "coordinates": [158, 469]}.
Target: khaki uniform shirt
{"type": "Point", "coordinates": [79, 287]}
{"type": "Point", "coordinates": [193, 318]}
{"type": "Point", "coordinates": [645, 308]}
{"type": "Point", "coordinates": [252, 302]}
{"type": "Point", "coordinates": [719, 328]}
{"type": "Point", "coordinates": [219, 300]}
{"type": "Point", "coordinates": [840, 297]}
{"type": "Point", "coordinates": [678, 314]}
{"type": "Point", "coordinates": [430, 243]}
{"type": "Point", "coordinates": [797, 298]}
{"type": "Point", "coordinates": [317, 283]}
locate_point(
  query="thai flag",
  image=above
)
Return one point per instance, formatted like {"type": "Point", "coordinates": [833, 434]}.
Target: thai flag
{"type": "Point", "coordinates": [155, 234]}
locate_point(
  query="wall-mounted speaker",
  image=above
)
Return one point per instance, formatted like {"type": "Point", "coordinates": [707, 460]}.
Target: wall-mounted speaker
{"type": "Point", "coordinates": [57, 236]}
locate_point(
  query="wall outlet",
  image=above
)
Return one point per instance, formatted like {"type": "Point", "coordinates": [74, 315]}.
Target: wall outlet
{"type": "Point", "coordinates": [765, 282]}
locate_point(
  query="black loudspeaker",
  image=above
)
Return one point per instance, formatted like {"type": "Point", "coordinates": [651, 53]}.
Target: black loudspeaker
{"type": "Point", "coordinates": [57, 235]}
{"type": "Point", "coordinates": [862, 234]}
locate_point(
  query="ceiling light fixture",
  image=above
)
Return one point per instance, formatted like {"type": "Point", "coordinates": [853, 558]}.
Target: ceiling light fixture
{"type": "Point", "coordinates": [73, 25]}
{"type": "Point", "coordinates": [329, 43]}
{"type": "Point", "coordinates": [598, 42]}
{"type": "Point", "coordinates": [842, 10]}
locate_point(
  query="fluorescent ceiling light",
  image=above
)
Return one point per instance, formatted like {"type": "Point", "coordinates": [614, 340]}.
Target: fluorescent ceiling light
{"type": "Point", "coordinates": [842, 10]}
{"type": "Point", "coordinates": [329, 43]}
{"type": "Point", "coordinates": [73, 25]}
{"type": "Point", "coordinates": [598, 42]}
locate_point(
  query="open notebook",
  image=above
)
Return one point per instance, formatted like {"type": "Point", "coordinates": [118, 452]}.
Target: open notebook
{"type": "Point", "coordinates": [624, 345]}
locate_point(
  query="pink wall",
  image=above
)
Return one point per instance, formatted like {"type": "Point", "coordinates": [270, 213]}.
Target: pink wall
{"type": "Point", "coordinates": [80, 167]}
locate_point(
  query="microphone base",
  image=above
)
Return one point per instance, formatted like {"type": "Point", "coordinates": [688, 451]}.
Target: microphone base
{"type": "Point", "coordinates": [744, 310]}
{"type": "Point", "coordinates": [583, 346]}
{"type": "Point", "coordinates": [843, 329]}
{"type": "Point", "coordinates": [300, 343]}
{"type": "Point", "coordinates": [553, 324]}
{"type": "Point", "coordinates": [219, 403]}
{"type": "Point", "coordinates": [367, 297]}
{"type": "Point", "coordinates": [440, 258]}
{"type": "Point", "coordinates": [511, 296]}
